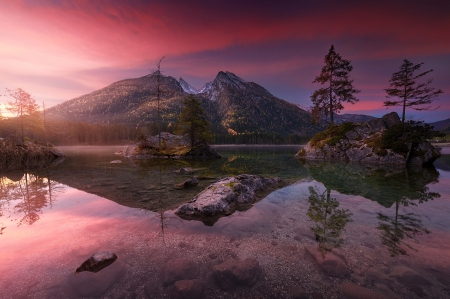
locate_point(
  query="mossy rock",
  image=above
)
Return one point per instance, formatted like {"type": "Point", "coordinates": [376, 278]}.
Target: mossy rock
{"type": "Point", "coordinates": [332, 135]}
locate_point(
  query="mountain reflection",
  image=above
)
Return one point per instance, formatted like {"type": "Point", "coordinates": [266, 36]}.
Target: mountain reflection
{"type": "Point", "coordinates": [330, 221]}
{"type": "Point", "coordinates": [23, 196]}
{"type": "Point", "coordinates": [390, 187]}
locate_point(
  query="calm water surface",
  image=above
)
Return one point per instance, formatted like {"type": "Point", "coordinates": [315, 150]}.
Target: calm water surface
{"type": "Point", "coordinates": [392, 225]}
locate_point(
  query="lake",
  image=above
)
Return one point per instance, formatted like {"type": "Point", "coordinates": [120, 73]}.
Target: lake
{"type": "Point", "coordinates": [333, 230]}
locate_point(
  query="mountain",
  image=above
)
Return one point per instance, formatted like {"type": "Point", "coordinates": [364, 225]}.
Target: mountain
{"type": "Point", "coordinates": [129, 101]}
{"type": "Point", "coordinates": [231, 104]}
{"type": "Point", "coordinates": [443, 125]}
{"type": "Point", "coordinates": [248, 107]}
{"type": "Point", "coordinates": [187, 88]}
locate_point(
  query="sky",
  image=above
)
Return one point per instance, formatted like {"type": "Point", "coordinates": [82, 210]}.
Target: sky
{"type": "Point", "coordinates": [59, 50]}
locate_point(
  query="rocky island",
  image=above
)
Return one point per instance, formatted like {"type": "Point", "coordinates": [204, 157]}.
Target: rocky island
{"type": "Point", "coordinates": [383, 140]}
{"type": "Point", "coordinates": [172, 146]}
{"type": "Point", "coordinates": [26, 155]}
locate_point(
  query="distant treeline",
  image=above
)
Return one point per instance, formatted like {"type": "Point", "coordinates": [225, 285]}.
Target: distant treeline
{"type": "Point", "coordinates": [59, 132]}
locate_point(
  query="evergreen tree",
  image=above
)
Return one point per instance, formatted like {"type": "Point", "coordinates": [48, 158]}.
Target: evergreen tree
{"type": "Point", "coordinates": [328, 100]}
{"type": "Point", "coordinates": [403, 85]}
{"type": "Point", "coordinates": [192, 121]}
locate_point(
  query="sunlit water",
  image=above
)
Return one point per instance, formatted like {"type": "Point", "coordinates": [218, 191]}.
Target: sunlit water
{"type": "Point", "coordinates": [53, 220]}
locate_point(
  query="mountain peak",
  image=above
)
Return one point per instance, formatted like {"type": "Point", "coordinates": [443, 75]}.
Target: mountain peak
{"type": "Point", "coordinates": [186, 87]}
{"type": "Point", "coordinates": [206, 87]}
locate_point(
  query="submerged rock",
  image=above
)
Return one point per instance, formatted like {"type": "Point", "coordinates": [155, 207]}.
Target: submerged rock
{"type": "Point", "coordinates": [353, 291]}
{"type": "Point", "coordinates": [223, 197]}
{"type": "Point", "coordinates": [179, 269]}
{"type": "Point", "coordinates": [97, 262]}
{"type": "Point", "coordinates": [328, 262]}
{"type": "Point", "coordinates": [187, 289]}
{"type": "Point", "coordinates": [231, 273]}
{"type": "Point", "coordinates": [193, 182]}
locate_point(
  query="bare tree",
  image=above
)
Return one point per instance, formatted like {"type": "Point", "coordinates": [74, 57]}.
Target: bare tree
{"type": "Point", "coordinates": [22, 106]}
{"type": "Point", "coordinates": [157, 72]}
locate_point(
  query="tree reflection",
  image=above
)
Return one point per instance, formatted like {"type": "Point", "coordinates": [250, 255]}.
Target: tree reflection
{"type": "Point", "coordinates": [330, 221]}
{"type": "Point", "coordinates": [26, 195]}
{"type": "Point", "coordinates": [391, 187]}
{"type": "Point", "coordinates": [394, 230]}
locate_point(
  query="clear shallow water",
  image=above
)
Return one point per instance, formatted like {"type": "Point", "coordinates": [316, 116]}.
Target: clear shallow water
{"type": "Point", "coordinates": [52, 221]}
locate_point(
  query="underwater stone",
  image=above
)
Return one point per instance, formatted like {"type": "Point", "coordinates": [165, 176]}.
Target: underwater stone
{"type": "Point", "coordinates": [97, 262]}
{"type": "Point", "coordinates": [233, 272]}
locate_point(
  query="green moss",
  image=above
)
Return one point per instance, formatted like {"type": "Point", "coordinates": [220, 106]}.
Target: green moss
{"type": "Point", "coordinates": [332, 135]}
{"type": "Point", "coordinates": [231, 185]}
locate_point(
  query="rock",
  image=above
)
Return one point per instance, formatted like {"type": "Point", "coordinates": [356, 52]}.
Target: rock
{"type": "Point", "coordinates": [221, 198]}
{"type": "Point", "coordinates": [183, 171]}
{"type": "Point", "coordinates": [56, 152]}
{"type": "Point", "coordinates": [202, 150]}
{"type": "Point", "coordinates": [407, 275]}
{"type": "Point", "coordinates": [187, 289]}
{"type": "Point", "coordinates": [97, 262]}
{"type": "Point", "coordinates": [353, 291]}
{"type": "Point", "coordinates": [376, 125]}
{"type": "Point", "coordinates": [115, 162]}
{"type": "Point", "coordinates": [187, 184]}
{"type": "Point", "coordinates": [316, 295]}
{"type": "Point", "coordinates": [352, 135]}
{"type": "Point", "coordinates": [190, 183]}
{"type": "Point", "coordinates": [298, 292]}
{"type": "Point", "coordinates": [361, 143]}
{"type": "Point", "coordinates": [328, 262]}
{"type": "Point", "coordinates": [391, 119]}
{"type": "Point", "coordinates": [179, 269]}
{"type": "Point", "coordinates": [232, 272]}
{"type": "Point", "coordinates": [172, 146]}
{"type": "Point", "coordinates": [89, 284]}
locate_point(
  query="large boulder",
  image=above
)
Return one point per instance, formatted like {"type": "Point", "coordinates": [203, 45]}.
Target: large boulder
{"type": "Point", "coordinates": [362, 143]}
{"type": "Point", "coordinates": [223, 197]}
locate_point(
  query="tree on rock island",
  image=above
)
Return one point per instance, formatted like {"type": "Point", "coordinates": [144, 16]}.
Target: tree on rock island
{"type": "Point", "coordinates": [192, 121]}
{"type": "Point", "coordinates": [403, 86]}
{"type": "Point", "coordinates": [335, 75]}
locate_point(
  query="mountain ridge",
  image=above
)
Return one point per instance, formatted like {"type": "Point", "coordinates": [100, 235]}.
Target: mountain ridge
{"type": "Point", "coordinates": [232, 104]}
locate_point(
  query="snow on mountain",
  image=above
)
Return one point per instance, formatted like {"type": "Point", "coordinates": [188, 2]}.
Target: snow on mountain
{"type": "Point", "coordinates": [206, 87]}
{"type": "Point", "coordinates": [187, 88]}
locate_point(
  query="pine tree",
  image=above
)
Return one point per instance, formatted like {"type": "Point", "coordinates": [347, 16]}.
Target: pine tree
{"type": "Point", "coordinates": [403, 85]}
{"type": "Point", "coordinates": [328, 100]}
{"type": "Point", "coordinates": [192, 121]}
